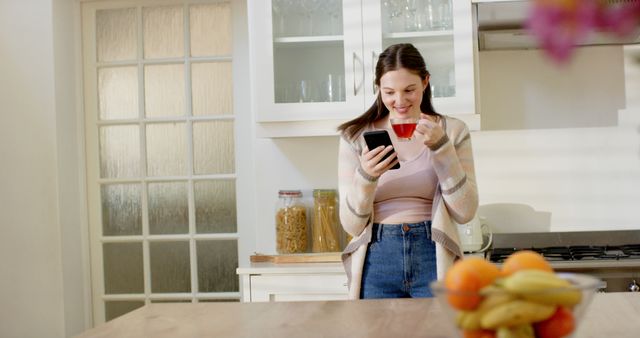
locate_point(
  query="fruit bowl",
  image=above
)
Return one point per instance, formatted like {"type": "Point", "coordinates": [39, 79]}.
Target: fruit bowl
{"type": "Point", "coordinates": [527, 304]}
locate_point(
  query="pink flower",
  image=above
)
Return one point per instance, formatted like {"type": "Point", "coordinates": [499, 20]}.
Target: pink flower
{"type": "Point", "coordinates": [559, 25]}
{"type": "Point", "coordinates": [620, 19]}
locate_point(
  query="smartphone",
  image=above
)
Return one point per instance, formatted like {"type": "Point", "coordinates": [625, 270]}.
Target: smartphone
{"type": "Point", "coordinates": [378, 138]}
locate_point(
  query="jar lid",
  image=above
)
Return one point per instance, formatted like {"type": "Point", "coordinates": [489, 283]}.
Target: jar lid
{"type": "Point", "coordinates": [290, 193]}
{"type": "Point", "coordinates": [324, 192]}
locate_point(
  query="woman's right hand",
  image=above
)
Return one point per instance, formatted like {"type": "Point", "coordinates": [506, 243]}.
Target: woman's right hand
{"type": "Point", "coordinates": [370, 160]}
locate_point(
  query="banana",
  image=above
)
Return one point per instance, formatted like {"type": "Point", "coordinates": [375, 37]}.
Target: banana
{"type": "Point", "coordinates": [495, 299]}
{"type": "Point", "coordinates": [491, 289]}
{"type": "Point", "coordinates": [470, 320]}
{"type": "Point", "coordinates": [522, 331]}
{"type": "Point", "coordinates": [514, 313]}
{"type": "Point", "coordinates": [543, 287]}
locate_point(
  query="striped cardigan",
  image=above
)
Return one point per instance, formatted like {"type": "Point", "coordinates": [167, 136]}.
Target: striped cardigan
{"type": "Point", "coordinates": [455, 200]}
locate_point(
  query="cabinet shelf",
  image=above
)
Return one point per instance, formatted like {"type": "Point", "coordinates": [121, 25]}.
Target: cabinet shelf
{"type": "Point", "coordinates": [413, 35]}
{"type": "Point", "coordinates": [308, 39]}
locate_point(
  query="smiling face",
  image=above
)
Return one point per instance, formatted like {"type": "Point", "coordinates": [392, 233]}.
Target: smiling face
{"type": "Point", "coordinates": [401, 92]}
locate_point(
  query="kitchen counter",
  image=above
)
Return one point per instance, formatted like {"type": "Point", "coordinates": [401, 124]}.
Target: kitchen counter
{"type": "Point", "coordinates": [610, 315]}
{"type": "Point", "coordinates": [338, 268]}
{"type": "Point", "coordinates": [256, 268]}
{"type": "Point", "coordinates": [313, 267]}
{"type": "Point", "coordinates": [596, 264]}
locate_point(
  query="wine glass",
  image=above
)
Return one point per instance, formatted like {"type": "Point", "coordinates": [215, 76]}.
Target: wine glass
{"type": "Point", "coordinates": [308, 8]}
{"type": "Point", "coordinates": [410, 9]}
{"type": "Point", "coordinates": [334, 10]}
{"type": "Point", "coordinates": [303, 91]}
{"type": "Point", "coordinates": [394, 9]}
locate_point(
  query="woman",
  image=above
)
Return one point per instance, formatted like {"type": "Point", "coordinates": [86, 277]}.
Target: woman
{"type": "Point", "coordinates": [402, 220]}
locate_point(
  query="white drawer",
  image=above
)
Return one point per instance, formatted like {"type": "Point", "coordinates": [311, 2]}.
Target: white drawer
{"type": "Point", "coordinates": [307, 287]}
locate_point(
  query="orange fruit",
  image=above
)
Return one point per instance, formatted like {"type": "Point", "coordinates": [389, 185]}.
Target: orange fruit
{"type": "Point", "coordinates": [465, 278]}
{"type": "Point", "coordinates": [561, 324]}
{"type": "Point", "coordinates": [523, 260]}
{"type": "Point", "coordinates": [478, 334]}
{"type": "Point", "coordinates": [462, 286]}
{"type": "Point", "coordinates": [488, 271]}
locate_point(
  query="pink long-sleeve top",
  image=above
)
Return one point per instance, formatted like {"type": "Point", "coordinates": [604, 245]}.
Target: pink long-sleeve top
{"type": "Point", "coordinates": [399, 198]}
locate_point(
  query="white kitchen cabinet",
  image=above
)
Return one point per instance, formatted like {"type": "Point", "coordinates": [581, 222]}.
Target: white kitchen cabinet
{"type": "Point", "coordinates": [313, 61]}
{"type": "Point", "coordinates": [267, 282]}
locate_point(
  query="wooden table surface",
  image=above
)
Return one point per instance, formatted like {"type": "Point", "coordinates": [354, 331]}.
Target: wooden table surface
{"type": "Point", "coordinates": [610, 315]}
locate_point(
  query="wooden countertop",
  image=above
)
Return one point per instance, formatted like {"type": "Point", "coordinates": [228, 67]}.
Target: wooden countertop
{"type": "Point", "coordinates": [610, 315]}
{"type": "Point", "coordinates": [267, 267]}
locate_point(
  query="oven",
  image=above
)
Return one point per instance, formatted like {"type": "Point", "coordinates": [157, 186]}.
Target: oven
{"type": "Point", "coordinates": [611, 256]}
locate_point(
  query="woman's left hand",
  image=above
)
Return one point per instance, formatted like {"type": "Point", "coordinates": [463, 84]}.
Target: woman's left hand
{"type": "Point", "coordinates": [428, 130]}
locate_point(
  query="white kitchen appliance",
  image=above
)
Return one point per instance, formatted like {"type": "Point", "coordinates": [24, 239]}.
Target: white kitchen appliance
{"type": "Point", "coordinates": [471, 235]}
{"type": "Point", "coordinates": [501, 25]}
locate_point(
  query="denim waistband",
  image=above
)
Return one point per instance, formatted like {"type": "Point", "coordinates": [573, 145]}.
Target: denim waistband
{"type": "Point", "coordinates": [398, 228]}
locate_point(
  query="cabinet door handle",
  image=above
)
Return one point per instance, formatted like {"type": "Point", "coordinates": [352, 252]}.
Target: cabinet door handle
{"type": "Point", "coordinates": [374, 59]}
{"type": "Point", "coordinates": [353, 60]}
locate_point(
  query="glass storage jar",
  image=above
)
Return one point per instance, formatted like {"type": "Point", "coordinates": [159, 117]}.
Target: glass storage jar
{"type": "Point", "coordinates": [325, 230]}
{"type": "Point", "coordinates": [291, 222]}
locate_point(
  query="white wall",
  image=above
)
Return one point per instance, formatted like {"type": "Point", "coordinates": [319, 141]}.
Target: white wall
{"type": "Point", "coordinates": [568, 159]}
{"type": "Point", "coordinates": [70, 163]}
{"type": "Point", "coordinates": [524, 90]}
{"type": "Point", "coordinates": [290, 163]}
{"type": "Point", "coordinates": [39, 244]}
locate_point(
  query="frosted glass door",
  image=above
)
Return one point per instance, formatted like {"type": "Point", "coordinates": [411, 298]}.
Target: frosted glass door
{"type": "Point", "coordinates": [160, 136]}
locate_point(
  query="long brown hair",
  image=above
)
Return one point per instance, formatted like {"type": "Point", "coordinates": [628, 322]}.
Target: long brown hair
{"type": "Point", "coordinates": [403, 55]}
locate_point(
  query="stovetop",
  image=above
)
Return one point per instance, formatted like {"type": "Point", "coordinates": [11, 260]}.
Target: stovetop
{"type": "Point", "coordinates": [570, 246]}
{"type": "Point", "coordinates": [574, 253]}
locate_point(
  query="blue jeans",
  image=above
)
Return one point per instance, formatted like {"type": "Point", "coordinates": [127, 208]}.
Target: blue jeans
{"type": "Point", "coordinates": [400, 262]}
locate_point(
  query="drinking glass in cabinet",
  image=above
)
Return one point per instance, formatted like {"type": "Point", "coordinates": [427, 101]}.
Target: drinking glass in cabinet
{"type": "Point", "coordinates": [393, 16]}
{"type": "Point", "coordinates": [339, 94]}
{"type": "Point", "coordinates": [306, 17]}
{"type": "Point", "coordinates": [443, 81]}
{"type": "Point", "coordinates": [278, 8]}
{"type": "Point", "coordinates": [441, 15]}
{"type": "Point", "coordinates": [410, 8]}
{"type": "Point", "coordinates": [303, 91]}
{"type": "Point", "coordinates": [288, 18]}
{"type": "Point", "coordinates": [332, 89]}
{"type": "Point", "coordinates": [294, 92]}
{"type": "Point", "coordinates": [307, 8]}
{"type": "Point", "coordinates": [416, 15]}
{"type": "Point", "coordinates": [451, 82]}
{"type": "Point", "coordinates": [333, 9]}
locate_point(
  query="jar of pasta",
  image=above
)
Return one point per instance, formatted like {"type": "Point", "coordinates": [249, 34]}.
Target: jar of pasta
{"type": "Point", "coordinates": [325, 230]}
{"type": "Point", "coordinates": [291, 222]}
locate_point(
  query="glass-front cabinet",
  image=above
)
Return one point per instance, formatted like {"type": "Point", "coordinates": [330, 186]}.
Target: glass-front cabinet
{"type": "Point", "coordinates": [313, 61]}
